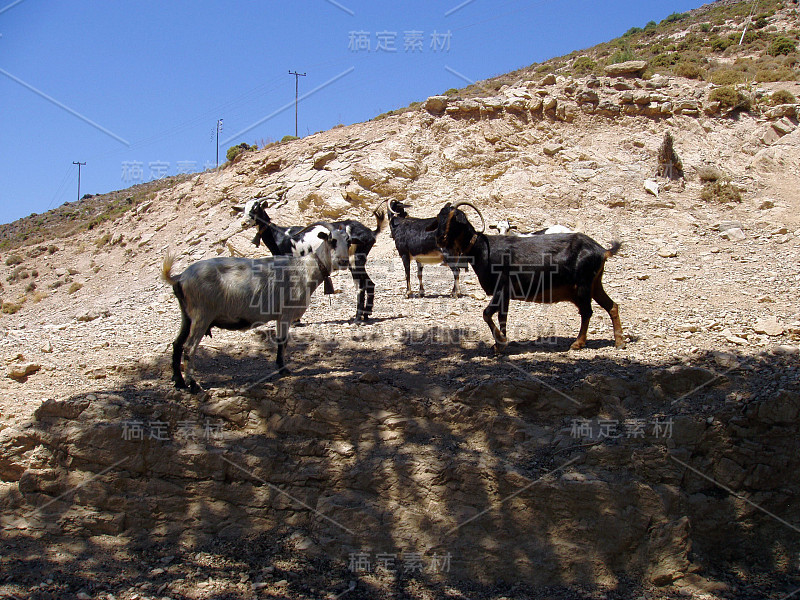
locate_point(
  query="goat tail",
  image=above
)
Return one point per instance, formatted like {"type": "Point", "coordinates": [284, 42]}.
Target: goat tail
{"type": "Point", "coordinates": [166, 268]}
{"type": "Point", "coordinates": [615, 246]}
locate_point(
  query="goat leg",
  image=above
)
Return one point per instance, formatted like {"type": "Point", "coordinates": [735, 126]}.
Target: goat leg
{"type": "Point", "coordinates": [282, 336]}
{"type": "Point", "coordinates": [584, 302]}
{"type": "Point", "coordinates": [488, 316]}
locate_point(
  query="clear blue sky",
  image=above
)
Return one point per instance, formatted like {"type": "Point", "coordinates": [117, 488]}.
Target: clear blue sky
{"type": "Point", "coordinates": [135, 88]}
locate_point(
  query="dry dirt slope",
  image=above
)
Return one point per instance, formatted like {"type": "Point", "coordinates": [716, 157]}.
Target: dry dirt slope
{"type": "Point", "coordinates": [407, 437]}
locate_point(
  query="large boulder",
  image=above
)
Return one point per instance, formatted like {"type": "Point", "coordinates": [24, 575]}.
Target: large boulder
{"type": "Point", "coordinates": [631, 68]}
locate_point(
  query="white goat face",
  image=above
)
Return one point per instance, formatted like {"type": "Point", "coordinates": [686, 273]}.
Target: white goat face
{"type": "Point", "coordinates": [249, 211]}
{"type": "Point", "coordinates": [503, 227]}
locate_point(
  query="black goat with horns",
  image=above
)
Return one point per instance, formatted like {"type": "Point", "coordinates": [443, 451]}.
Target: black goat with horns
{"type": "Point", "coordinates": [541, 268]}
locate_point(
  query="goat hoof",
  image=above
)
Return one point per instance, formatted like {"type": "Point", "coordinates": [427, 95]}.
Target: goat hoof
{"type": "Point", "coordinates": [180, 384]}
{"type": "Point", "coordinates": [284, 372]}
{"type": "Point", "coordinates": [619, 344]}
{"type": "Point", "coordinates": [194, 388]}
{"type": "Point", "coordinates": [577, 345]}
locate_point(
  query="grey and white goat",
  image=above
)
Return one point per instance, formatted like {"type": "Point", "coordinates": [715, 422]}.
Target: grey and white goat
{"type": "Point", "coordinates": [504, 227]}
{"type": "Point", "coordinates": [239, 293]}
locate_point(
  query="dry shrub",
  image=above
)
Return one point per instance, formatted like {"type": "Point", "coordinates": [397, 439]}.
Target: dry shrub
{"type": "Point", "coordinates": [688, 70]}
{"type": "Point", "coordinates": [729, 98]}
{"type": "Point", "coordinates": [74, 287]}
{"type": "Point", "coordinates": [669, 163]}
{"type": "Point", "coordinates": [727, 77]}
{"type": "Point", "coordinates": [782, 97]}
{"type": "Point", "coordinates": [710, 173]}
{"type": "Point", "coordinates": [720, 192]}
{"type": "Point", "coordinates": [10, 308]}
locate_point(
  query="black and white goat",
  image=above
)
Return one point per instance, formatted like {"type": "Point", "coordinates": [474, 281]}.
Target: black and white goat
{"type": "Point", "coordinates": [540, 268]}
{"type": "Point", "coordinates": [239, 293]}
{"type": "Point", "coordinates": [414, 241]}
{"type": "Point", "coordinates": [279, 241]}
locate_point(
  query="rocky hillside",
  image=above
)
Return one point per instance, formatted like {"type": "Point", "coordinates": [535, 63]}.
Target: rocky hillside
{"type": "Point", "coordinates": [665, 469]}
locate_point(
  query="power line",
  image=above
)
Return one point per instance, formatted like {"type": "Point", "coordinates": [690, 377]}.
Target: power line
{"type": "Point", "coordinates": [79, 176]}
{"type": "Point", "coordinates": [297, 77]}
{"type": "Point", "coordinates": [219, 128]}
{"type": "Point", "coordinates": [59, 189]}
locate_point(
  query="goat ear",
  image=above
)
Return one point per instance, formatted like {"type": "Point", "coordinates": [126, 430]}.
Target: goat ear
{"type": "Point", "coordinates": [493, 227]}
{"type": "Point", "coordinates": [432, 227]}
{"type": "Point", "coordinates": [512, 226]}
{"type": "Point", "coordinates": [238, 209]}
{"type": "Point", "coordinates": [257, 240]}
{"type": "Point", "coordinates": [324, 235]}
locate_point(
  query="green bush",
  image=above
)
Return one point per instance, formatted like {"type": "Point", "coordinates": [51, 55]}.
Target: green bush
{"type": "Point", "coordinates": [651, 26]}
{"type": "Point", "coordinates": [664, 60]}
{"type": "Point", "coordinates": [729, 98]}
{"type": "Point", "coordinates": [632, 31]}
{"type": "Point", "coordinates": [760, 23]}
{"type": "Point", "coordinates": [781, 45]}
{"type": "Point", "coordinates": [13, 259]}
{"type": "Point", "coordinates": [621, 56]}
{"type": "Point", "coordinates": [782, 97]}
{"type": "Point", "coordinates": [289, 138]}
{"type": "Point", "coordinates": [674, 18]}
{"type": "Point", "coordinates": [234, 151]}
{"type": "Point", "coordinates": [719, 44]}
{"type": "Point", "coordinates": [583, 65]}
{"type": "Point", "coordinates": [705, 27]}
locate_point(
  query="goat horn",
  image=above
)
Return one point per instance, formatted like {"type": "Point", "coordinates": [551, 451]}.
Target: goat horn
{"type": "Point", "coordinates": [475, 208]}
{"type": "Point", "coordinates": [378, 205]}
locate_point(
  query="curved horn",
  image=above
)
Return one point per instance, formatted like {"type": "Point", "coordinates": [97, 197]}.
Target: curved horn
{"type": "Point", "coordinates": [379, 204]}
{"type": "Point", "coordinates": [475, 208]}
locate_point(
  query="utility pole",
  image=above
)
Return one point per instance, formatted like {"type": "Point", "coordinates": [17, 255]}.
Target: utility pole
{"type": "Point", "coordinates": [297, 77]}
{"type": "Point", "coordinates": [219, 128]}
{"type": "Point", "coordinates": [79, 176]}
